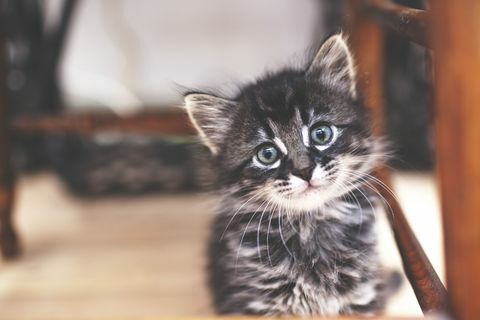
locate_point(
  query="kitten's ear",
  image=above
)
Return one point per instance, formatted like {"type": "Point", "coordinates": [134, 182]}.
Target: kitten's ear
{"type": "Point", "coordinates": [334, 63]}
{"type": "Point", "coordinates": [211, 117]}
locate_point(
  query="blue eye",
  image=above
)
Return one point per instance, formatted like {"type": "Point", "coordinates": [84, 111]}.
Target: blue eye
{"type": "Point", "coordinates": [267, 154]}
{"type": "Point", "coordinates": [322, 134]}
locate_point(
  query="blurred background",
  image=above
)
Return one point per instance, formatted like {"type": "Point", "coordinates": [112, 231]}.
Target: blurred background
{"type": "Point", "coordinates": [114, 224]}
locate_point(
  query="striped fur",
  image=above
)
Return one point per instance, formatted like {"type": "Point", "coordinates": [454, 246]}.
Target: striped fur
{"type": "Point", "coordinates": [294, 236]}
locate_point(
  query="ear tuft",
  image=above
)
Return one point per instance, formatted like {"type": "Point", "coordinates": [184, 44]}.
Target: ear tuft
{"type": "Point", "coordinates": [211, 117]}
{"type": "Point", "coordinates": [334, 63]}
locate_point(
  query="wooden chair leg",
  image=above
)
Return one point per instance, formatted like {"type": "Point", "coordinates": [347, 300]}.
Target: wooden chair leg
{"type": "Point", "coordinates": [455, 38]}
{"type": "Point", "coordinates": [8, 239]}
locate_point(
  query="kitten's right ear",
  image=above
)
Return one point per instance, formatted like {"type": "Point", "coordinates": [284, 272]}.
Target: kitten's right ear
{"type": "Point", "coordinates": [334, 62]}
{"type": "Point", "coordinates": [211, 117]}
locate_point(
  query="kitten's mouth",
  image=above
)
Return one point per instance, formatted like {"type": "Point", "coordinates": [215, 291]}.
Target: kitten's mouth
{"type": "Point", "coordinates": [310, 188]}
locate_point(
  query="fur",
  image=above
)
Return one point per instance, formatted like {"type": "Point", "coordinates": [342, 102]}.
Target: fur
{"type": "Point", "coordinates": [295, 231]}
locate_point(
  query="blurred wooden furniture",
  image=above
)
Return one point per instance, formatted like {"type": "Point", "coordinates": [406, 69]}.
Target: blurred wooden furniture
{"type": "Point", "coordinates": [452, 30]}
{"type": "Point", "coordinates": [367, 44]}
{"type": "Point", "coordinates": [455, 39]}
{"type": "Point", "coordinates": [8, 237]}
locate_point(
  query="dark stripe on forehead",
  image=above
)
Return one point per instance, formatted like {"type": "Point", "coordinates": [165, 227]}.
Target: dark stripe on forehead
{"type": "Point", "coordinates": [262, 117]}
{"type": "Point", "coordinates": [305, 115]}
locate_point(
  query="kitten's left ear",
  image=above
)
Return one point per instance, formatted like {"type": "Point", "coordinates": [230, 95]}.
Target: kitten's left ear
{"type": "Point", "coordinates": [211, 116]}
{"type": "Point", "coordinates": [334, 63]}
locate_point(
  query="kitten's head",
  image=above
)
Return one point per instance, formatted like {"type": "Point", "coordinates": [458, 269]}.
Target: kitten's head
{"type": "Point", "coordinates": [297, 139]}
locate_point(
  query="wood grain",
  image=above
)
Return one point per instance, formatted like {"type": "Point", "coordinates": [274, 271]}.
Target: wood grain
{"type": "Point", "coordinates": [455, 34]}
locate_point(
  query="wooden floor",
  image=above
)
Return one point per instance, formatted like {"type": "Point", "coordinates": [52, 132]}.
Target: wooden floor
{"type": "Point", "coordinates": [142, 257]}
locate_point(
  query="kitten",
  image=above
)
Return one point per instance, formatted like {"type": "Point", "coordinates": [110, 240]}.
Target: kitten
{"type": "Point", "coordinates": [295, 231]}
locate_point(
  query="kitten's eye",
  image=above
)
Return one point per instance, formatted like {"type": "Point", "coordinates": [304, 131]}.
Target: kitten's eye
{"type": "Point", "coordinates": [267, 154]}
{"type": "Point", "coordinates": [322, 134]}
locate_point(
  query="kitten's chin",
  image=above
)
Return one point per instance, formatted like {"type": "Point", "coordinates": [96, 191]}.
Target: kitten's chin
{"type": "Point", "coordinates": [309, 200]}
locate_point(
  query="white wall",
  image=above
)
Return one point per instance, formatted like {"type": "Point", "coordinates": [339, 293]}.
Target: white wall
{"type": "Point", "coordinates": [124, 53]}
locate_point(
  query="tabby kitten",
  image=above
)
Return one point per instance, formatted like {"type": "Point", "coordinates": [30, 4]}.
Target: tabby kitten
{"type": "Point", "coordinates": [295, 231]}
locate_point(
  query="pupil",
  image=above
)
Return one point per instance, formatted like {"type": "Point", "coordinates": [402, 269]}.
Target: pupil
{"type": "Point", "coordinates": [321, 134]}
{"type": "Point", "coordinates": [268, 154]}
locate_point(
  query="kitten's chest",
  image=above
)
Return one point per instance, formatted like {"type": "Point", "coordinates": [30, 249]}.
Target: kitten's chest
{"type": "Point", "coordinates": [307, 266]}
{"type": "Point", "coordinates": [326, 267]}
{"type": "Point", "coordinates": [322, 249]}
{"type": "Point", "coordinates": [313, 248]}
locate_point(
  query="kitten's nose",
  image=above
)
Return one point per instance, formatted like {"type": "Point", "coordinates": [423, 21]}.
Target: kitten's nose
{"type": "Point", "coordinates": [305, 173]}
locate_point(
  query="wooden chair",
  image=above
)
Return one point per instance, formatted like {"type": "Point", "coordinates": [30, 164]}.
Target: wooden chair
{"type": "Point", "coordinates": [452, 31]}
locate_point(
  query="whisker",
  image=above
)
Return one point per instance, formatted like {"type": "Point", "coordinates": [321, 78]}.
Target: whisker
{"type": "Point", "coordinates": [378, 181]}
{"type": "Point", "coordinates": [237, 211]}
{"type": "Point", "coordinates": [375, 190]}
{"type": "Point", "coordinates": [245, 232]}
{"type": "Point", "coordinates": [281, 237]}
{"type": "Point", "coordinates": [268, 232]}
{"type": "Point", "coordinates": [258, 230]}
